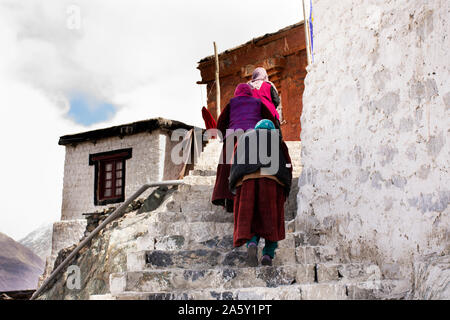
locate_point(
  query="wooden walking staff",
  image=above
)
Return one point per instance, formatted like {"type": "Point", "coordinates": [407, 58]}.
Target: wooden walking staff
{"type": "Point", "coordinates": [218, 109]}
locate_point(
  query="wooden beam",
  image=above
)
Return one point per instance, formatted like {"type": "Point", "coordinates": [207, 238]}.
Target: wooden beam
{"type": "Point", "coordinates": [219, 110]}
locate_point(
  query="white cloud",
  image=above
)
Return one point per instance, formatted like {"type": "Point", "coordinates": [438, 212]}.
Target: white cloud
{"type": "Point", "coordinates": [138, 55]}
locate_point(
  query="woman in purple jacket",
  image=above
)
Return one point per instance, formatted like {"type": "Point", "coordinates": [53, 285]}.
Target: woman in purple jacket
{"type": "Point", "coordinates": [242, 112]}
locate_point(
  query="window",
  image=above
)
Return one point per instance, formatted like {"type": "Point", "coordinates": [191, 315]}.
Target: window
{"type": "Point", "coordinates": [109, 176]}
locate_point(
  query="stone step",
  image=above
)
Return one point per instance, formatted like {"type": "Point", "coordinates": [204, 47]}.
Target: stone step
{"type": "Point", "coordinates": [188, 217]}
{"type": "Point", "coordinates": [203, 173]}
{"type": "Point", "coordinates": [197, 231]}
{"type": "Point", "coordinates": [195, 201]}
{"type": "Point", "coordinates": [200, 259]}
{"type": "Point", "coordinates": [180, 203]}
{"type": "Point", "coordinates": [201, 230]}
{"type": "Point", "coordinates": [325, 272]}
{"type": "Point", "coordinates": [217, 215]}
{"type": "Point", "coordinates": [291, 292]}
{"type": "Point", "coordinates": [222, 277]}
{"type": "Point", "coordinates": [199, 189]}
{"type": "Point", "coordinates": [209, 258]}
{"type": "Point", "coordinates": [379, 290]}
{"type": "Point", "coordinates": [213, 146]}
{"type": "Point", "coordinates": [385, 289]}
{"type": "Point", "coordinates": [200, 180]}
{"type": "Point", "coordinates": [179, 242]}
{"type": "Point", "coordinates": [194, 197]}
{"type": "Point", "coordinates": [224, 241]}
{"type": "Point", "coordinates": [315, 254]}
{"type": "Point", "coordinates": [209, 157]}
{"type": "Point", "coordinates": [207, 166]}
{"type": "Point", "coordinates": [182, 279]}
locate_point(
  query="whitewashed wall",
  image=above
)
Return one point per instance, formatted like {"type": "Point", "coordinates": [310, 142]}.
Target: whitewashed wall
{"type": "Point", "coordinates": [375, 129]}
{"type": "Point", "coordinates": [146, 164]}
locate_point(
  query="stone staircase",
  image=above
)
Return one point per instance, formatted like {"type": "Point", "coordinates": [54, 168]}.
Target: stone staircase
{"type": "Point", "coordinates": [188, 254]}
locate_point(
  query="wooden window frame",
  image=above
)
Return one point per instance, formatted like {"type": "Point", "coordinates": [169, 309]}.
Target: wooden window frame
{"type": "Point", "coordinates": [99, 161]}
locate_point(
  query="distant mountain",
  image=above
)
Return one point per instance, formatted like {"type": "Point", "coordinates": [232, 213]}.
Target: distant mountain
{"type": "Point", "coordinates": [39, 241]}
{"type": "Point", "coordinates": [20, 268]}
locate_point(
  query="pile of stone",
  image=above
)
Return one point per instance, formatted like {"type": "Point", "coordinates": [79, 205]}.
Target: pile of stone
{"type": "Point", "coordinates": [94, 219]}
{"type": "Point", "coordinates": [63, 254]}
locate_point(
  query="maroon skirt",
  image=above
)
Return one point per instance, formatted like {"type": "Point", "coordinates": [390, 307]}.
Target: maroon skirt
{"type": "Point", "coordinates": [259, 210]}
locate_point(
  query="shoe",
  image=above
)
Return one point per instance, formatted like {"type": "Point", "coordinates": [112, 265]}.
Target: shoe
{"type": "Point", "coordinates": [266, 260]}
{"type": "Point", "coordinates": [252, 255]}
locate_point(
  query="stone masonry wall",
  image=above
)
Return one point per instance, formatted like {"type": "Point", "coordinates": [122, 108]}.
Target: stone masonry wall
{"type": "Point", "coordinates": [145, 164]}
{"type": "Point", "coordinates": [375, 130]}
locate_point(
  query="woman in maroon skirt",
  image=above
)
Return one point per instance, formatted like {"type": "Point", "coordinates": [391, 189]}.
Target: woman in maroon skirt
{"type": "Point", "coordinates": [260, 192]}
{"type": "Point", "coordinates": [242, 112]}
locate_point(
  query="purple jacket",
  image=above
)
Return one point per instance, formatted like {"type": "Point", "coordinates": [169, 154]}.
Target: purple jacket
{"type": "Point", "coordinates": [243, 112]}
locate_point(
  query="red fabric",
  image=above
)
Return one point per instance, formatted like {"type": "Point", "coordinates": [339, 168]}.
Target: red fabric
{"type": "Point", "coordinates": [264, 94]}
{"type": "Point", "coordinates": [210, 123]}
{"type": "Point", "coordinates": [221, 190]}
{"type": "Point", "coordinates": [259, 209]}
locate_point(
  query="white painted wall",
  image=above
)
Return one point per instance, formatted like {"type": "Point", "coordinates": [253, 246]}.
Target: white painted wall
{"type": "Point", "coordinates": [375, 129]}
{"type": "Point", "coordinates": [144, 165]}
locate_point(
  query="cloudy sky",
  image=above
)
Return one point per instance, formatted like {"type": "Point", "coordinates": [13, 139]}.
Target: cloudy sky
{"type": "Point", "coordinates": [72, 66]}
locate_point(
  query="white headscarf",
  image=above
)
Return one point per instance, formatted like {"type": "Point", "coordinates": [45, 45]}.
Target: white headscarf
{"type": "Point", "coordinates": [259, 76]}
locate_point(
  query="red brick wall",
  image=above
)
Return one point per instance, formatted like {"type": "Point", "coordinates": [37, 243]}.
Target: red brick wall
{"type": "Point", "coordinates": [283, 55]}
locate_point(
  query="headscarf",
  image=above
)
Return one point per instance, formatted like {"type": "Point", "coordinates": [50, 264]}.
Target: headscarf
{"type": "Point", "coordinates": [243, 89]}
{"type": "Point", "coordinates": [259, 75]}
{"type": "Point", "coordinates": [265, 124]}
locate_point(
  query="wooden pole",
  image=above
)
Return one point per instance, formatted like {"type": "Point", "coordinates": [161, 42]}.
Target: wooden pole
{"type": "Point", "coordinates": [306, 26]}
{"type": "Point", "coordinates": [218, 109]}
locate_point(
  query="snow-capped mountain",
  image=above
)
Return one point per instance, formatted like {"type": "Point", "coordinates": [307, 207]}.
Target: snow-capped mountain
{"type": "Point", "coordinates": [39, 241]}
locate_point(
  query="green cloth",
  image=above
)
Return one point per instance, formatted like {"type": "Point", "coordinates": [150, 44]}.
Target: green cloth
{"type": "Point", "coordinates": [269, 247]}
{"type": "Point", "coordinates": [265, 124]}
{"type": "Point", "coordinates": [254, 239]}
